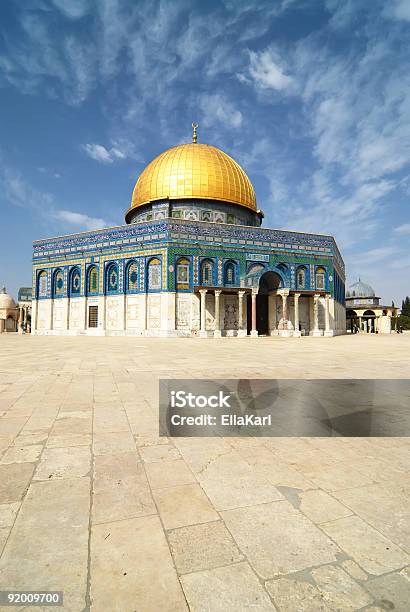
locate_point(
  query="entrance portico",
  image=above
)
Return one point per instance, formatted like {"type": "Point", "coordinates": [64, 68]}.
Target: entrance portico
{"type": "Point", "coordinates": [248, 312]}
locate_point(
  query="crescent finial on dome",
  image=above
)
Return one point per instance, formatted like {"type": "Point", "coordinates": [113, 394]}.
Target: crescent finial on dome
{"type": "Point", "coordinates": [194, 137]}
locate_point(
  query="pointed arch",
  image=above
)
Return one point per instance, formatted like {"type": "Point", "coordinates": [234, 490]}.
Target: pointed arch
{"type": "Point", "coordinates": [41, 289]}
{"type": "Point", "coordinates": [132, 277]}
{"type": "Point", "coordinates": [74, 282]}
{"type": "Point", "coordinates": [154, 274]}
{"type": "Point", "coordinates": [92, 280]}
{"type": "Point", "coordinates": [207, 272]}
{"type": "Point", "coordinates": [58, 283]}
{"type": "Point", "coordinates": [111, 278]}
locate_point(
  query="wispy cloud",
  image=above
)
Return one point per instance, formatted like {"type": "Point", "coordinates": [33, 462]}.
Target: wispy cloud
{"type": "Point", "coordinates": [74, 9]}
{"type": "Point", "coordinates": [22, 194]}
{"type": "Point", "coordinates": [79, 220]}
{"type": "Point", "coordinates": [398, 9]}
{"type": "Point", "coordinates": [217, 108]}
{"type": "Point", "coordinates": [101, 154]}
{"type": "Point", "coordinates": [402, 230]}
{"type": "Point", "coordinates": [266, 70]}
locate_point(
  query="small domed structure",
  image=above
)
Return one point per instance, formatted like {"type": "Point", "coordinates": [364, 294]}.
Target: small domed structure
{"type": "Point", "coordinates": [360, 289]}
{"type": "Point", "coordinates": [364, 313]}
{"type": "Point", "coordinates": [8, 312]}
{"type": "Point", "coordinates": [6, 301]}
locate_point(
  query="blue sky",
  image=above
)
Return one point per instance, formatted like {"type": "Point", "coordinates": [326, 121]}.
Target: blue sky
{"type": "Point", "coordinates": [312, 97]}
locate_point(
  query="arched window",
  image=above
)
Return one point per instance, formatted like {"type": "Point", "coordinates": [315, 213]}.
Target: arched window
{"type": "Point", "coordinates": [154, 274]}
{"type": "Point", "coordinates": [320, 278]}
{"type": "Point", "coordinates": [111, 278]}
{"type": "Point", "coordinates": [58, 283]}
{"type": "Point", "coordinates": [42, 284]}
{"type": "Point", "coordinates": [183, 273]}
{"type": "Point", "coordinates": [207, 272]}
{"type": "Point", "coordinates": [229, 273]}
{"type": "Point", "coordinates": [301, 278]}
{"type": "Point", "coordinates": [92, 280]}
{"type": "Point", "coordinates": [75, 282]}
{"type": "Point", "coordinates": [132, 277]}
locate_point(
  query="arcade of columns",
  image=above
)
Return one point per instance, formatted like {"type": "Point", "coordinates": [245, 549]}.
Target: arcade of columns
{"type": "Point", "coordinates": [283, 327]}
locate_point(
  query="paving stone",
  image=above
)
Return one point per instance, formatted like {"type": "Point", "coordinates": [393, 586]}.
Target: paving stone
{"type": "Point", "coordinates": [225, 589]}
{"type": "Point", "coordinates": [339, 590]}
{"type": "Point", "coordinates": [63, 463]}
{"type": "Point", "coordinates": [184, 505]}
{"type": "Point", "coordinates": [14, 480]}
{"type": "Point", "coordinates": [31, 439]}
{"type": "Point", "coordinates": [168, 473]}
{"type": "Point", "coordinates": [387, 509]}
{"type": "Point", "coordinates": [132, 569]}
{"type": "Point", "coordinates": [22, 454]}
{"type": "Point", "coordinates": [110, 420]}
{"type": "Point", "coordinates": [239, 492]}
{"type": "Point", "coordinates": [48, 546]}
{"type": "Point", "coordinates": [8, 513]}
{"type": "Point", "coordinates": [10, 426]}
{"type": "Point", "coordinates": [162, 452]}
{"type": "Point", "coordinates": [150, 439]}
{"type": "Point", "coordinates": [320, 507]}
{"type": "Point", "coordinates": [113, 442]}
{"type": "Point", "coordinates": [277, 539]}
{"type": "Point", "coordinates": [371, 550]}
{"type": "Point", "coordinates": [336, 477]}
{"type": "Point", "coordinates": [292, 595]}
{"type": "Point", "coordinates": [120, 488]}
{"type": "Point", "coordinates": [64, 440]}
{"type": "Point", "coordinates": [5, 442]}
{"type": "Point", "coordinates": [204, 546]}
{"type": "Point", "coordinates": [392, 592]}
{"type": "Point", "coordinates": [4, 534]}
{"type": "Point", "coordinates": [406, 572]}
{"type": "Point", "coordinates": [72, 425]}
{"type": "Point", "coordinates": [354, 570]}
{"type": "Point", "coordinates": [277, 472]}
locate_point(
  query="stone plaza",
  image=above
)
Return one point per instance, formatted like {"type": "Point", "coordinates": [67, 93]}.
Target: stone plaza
{"type": "Point", "coordinates": [95, 504]}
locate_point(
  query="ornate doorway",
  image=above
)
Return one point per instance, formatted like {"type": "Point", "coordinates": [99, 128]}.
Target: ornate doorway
{"type": "Point", "coordinates": [269, 282]}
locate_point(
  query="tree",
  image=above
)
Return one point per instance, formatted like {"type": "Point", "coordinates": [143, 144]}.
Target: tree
{"type": "Point", "coordinates": [405, 307]}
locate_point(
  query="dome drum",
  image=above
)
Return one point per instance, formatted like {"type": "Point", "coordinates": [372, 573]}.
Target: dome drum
{"type": "Point", "coordinates": [211, 211]}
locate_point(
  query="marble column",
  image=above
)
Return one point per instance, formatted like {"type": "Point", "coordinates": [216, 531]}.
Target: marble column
{"type": "Point", "coordinates": [272, 314]}
{"type": "Point", "coordinates": [283, 326]}
{"type": "Point", "coordinates": [20, 322]}
{"type": "Point", "coordinates": [316, 331]}
{"type": "Point", "coordinates": [296, 297]}
{"type": "Point", "coordinates": [328, 331]}
{"type": "Point", "coordinates": [285, 306]}
{"type": "Point", "coordinates": [202, 331]}
{"type": "Point", "coordinates": [217, 332]}
{"type": "Point", "coordinates": [241, 330]}
{"type": "Point", "coordinates": [254, 331]}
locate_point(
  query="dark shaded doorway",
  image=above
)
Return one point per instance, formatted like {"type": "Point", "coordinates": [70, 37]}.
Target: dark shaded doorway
{"type": "Point", "coordinates": [262, 314]}
{"type": "Point", "coordinates": [268, 282]}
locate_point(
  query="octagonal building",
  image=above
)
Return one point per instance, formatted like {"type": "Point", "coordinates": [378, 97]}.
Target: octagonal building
{"type": "Point", "coordinates": [192, 259]}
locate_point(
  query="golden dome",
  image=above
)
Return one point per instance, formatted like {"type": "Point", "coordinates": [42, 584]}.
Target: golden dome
{"type": "Point", "coordinates": [193, 171]}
